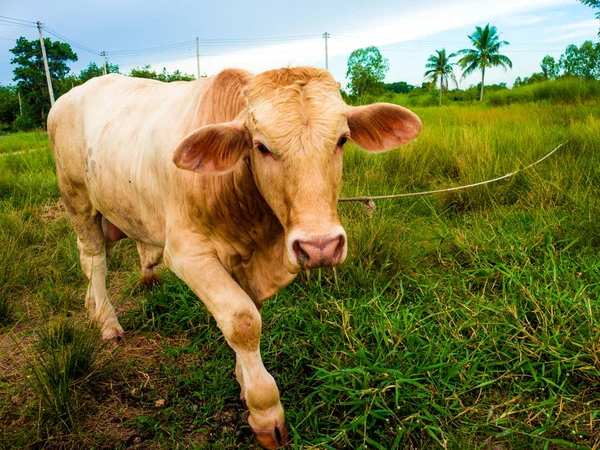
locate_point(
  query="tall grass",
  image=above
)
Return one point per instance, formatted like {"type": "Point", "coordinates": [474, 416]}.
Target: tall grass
{"type": "Point", "coordinates": [563, 90]}
{"type": "Point", "coordinates": [16, 142]}
{"type": "Point", "coordinates": [6, 310]}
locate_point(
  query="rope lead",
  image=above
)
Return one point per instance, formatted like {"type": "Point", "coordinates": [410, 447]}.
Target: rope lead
{"type": "Point", "coordinates": [369, 203]}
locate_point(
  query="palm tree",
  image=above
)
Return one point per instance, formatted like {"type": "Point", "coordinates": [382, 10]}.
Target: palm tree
{"type": "Point", "coordinates": [440, 67]}
{"type": "Point", "coordinates": [486, 53]}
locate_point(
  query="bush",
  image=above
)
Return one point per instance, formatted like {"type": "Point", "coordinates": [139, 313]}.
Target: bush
{"type": "Point", "coordinates": [24, 123]}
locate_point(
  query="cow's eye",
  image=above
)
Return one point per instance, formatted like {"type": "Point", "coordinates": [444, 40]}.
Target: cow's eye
{"type": "Point", "coordinates": [264, 150]}
{"type": "Point", "coordinates": [342, 141]}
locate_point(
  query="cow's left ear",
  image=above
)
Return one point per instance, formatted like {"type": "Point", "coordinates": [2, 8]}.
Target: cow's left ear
{"type": "Point", "coordinates": [213, 148]}
{"type": "Point", "coordinates": [382, 126]}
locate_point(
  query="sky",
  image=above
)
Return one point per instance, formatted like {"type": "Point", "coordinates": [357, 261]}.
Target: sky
{"type": "Point", "coordinates": [264, 35]}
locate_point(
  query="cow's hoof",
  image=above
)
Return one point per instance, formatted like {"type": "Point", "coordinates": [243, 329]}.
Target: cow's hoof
{"type": "Point", "coordinates": [115, 334]}
{"type": "Point", "coordinates": [276, 437]}
{"type": "Point", "coordinates": [150, 280]}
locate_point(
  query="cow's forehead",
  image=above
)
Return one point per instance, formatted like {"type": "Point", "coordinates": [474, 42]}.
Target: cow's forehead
{"type": "Point", "coordinates": [296, 105]}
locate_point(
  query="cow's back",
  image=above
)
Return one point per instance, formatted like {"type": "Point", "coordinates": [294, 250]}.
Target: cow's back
{"type": "Point", "coordinates": [114, 137]}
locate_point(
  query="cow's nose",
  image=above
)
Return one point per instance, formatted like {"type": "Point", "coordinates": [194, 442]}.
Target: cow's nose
{"type": "Point", "coordinates": [319, 252]}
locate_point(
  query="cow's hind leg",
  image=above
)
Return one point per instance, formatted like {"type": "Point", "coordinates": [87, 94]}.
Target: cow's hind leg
{"type": "Point", "coordinates": [92, 244]}
{"type": "Point", "coordinates": [149, 258]}
{"type": "Point", "coordinates": [92, 255]}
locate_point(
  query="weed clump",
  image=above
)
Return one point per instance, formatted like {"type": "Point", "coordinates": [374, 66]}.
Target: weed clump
{"type": "Point", "coordinates": [66, 361]}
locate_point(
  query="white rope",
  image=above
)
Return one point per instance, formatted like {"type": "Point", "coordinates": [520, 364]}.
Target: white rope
{"type": "Point", "coordinates": [370, 204]}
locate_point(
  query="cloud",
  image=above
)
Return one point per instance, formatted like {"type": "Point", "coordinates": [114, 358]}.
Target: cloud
{"type": "Point", "coordinates": [584, 24]}
{"type": "Point", "coordinates": [521, 21]}
{"type": "Point", "coordinates": [583, 28]}
{"type": "Point", "coordinates": [413, 24]}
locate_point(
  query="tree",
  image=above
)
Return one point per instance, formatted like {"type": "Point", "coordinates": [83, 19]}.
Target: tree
{"type": "Point", "coordinates": [593, 4]}
{"type": "Point", "coordinates": [440, 68]}
{"type": "Point", "coordinates": [94, 70]}
{"type": "Point", "coordinates": [550, 68]}
{"type": "Point", "coordinates": [399, 87]}
{"type": "Point", "coordinates": [145, 72]}
{"type": "Point", "coordinates": [486, 53]}
{"type": "Point", "coordinates": [582, 62]}
{"type": "Point", "coordinates": [31, 77]}
{"type": "Point", "coordinates": [537, 77]}
{"type": "Point", "coordinates": [9, 105]}
{"type": "Point", "coordinates": [366, 71]}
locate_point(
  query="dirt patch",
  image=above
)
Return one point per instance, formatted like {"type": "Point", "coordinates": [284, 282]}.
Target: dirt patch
{"type": "Point", "coordinates": [14, 350]}
{"type": "Point", "coordinates": [54, 212]}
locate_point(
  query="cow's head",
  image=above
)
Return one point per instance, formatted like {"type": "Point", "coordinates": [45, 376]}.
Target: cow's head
{"type": "Point", "coordinates": [294, 129]}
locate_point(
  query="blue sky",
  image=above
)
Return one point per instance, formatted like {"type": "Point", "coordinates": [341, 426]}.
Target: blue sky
{"type": "Point", "coordinates": [261, 35]}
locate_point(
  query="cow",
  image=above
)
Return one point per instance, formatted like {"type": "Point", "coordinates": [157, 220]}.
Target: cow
{"type": "Point", "coordinates": [233, 181]}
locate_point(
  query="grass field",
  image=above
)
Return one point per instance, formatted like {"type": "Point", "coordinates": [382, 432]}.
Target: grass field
{"type": "Point", "coordinates": [464, 320]}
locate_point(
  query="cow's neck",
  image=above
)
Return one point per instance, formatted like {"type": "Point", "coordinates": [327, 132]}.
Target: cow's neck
{"type": "Point", "coordinates": [233, 211]}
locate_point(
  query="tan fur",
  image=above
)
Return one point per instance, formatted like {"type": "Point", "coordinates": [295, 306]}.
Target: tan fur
{"type": "Point", "coordinates": [224, 100]}
{"type": "Point", "coordinates": [176, 168]}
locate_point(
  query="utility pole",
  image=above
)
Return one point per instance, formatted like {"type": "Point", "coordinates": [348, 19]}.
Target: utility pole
{"type": "Point", "coordinates": [326, 35]}
{"type": "Point", "coordinates": [198, 56]}
{"type": "Point", "coordinates": [20, 105]}
{"type": "Point", "coordinates": [104, 56]}
{"type": "Point", "coordinates": [48, 80]}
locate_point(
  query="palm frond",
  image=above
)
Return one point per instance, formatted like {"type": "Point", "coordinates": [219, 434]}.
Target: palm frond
{"type": "Point", "coordinates": [469, 69]}
{"type": "Point", "coordinates": [506, 60]}
{"type": "Point", "coordinates": [468, 59]}
{"type": "Point", "coordinates": [453, 78]}
{"type": "Point", "coordinates": [431, 75]}
{"type": "Point", "coordinates": [466, 51]}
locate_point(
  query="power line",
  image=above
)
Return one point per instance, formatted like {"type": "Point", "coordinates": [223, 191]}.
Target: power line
{"type": "Point", "coordinates": [212, 42]}
{"type": "Point", "coordinates": [16, 25]}
{"type": "Point", "coordinates": [17, 20]}
{"type": "Point", "coordinates": [232, 54]}
{"type": "Point", "coordinates": [273, 38]}
{"type": "Point", "coordinates": [152, 49]}
{"type": "Point", "coordinates": [72, 42]}
{"type": "Point", "coordinates": [186, 46]}
{"type": "Point", "coordinates": [13, 21]}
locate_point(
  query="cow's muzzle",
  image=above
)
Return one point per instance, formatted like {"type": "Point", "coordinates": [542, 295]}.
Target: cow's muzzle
{"type": "Point", "coordinates": [313, 251]}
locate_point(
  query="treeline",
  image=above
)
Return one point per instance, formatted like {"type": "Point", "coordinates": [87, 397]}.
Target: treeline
{"type": "Point", "coordinates": [25, 105]}
{"type": "Point", "coordinates": [565, 89]}
{"type": "Point", "coordinates": [579, 62]}
{"type": "Point", "coordinates": [574, 78]}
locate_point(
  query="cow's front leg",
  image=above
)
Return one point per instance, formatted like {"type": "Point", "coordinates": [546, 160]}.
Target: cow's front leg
{"type": "Point", "coordinates": [240, 321]}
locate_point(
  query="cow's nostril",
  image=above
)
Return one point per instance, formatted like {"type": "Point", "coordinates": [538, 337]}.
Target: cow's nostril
{"type": "Point", "coordinates": [339, 250]}
{"type": "Point", "coordinates": [301, 255]}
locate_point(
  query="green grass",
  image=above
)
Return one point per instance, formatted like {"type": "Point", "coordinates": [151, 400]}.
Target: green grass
{"type": "Point", "coordinates": [463, 320]}
{"type": "Point", "coordinates": [18, 142]}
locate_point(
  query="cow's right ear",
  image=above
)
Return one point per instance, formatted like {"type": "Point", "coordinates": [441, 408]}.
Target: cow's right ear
{"type": "Point", "coordinates": [213, 148]}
